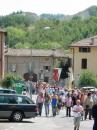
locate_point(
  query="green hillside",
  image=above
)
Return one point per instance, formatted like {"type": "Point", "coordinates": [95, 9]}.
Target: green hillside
{"type": "Point", "coordinates": [92, 11]}
{"type": "Point", "coordinates": [28, 30]}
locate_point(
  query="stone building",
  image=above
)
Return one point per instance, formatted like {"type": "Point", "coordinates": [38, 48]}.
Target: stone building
{"type": "Point", "coordinates": [37, 61]}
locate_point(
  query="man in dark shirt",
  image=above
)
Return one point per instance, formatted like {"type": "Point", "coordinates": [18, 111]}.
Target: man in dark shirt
{"type": "Point", "coordinates": [94, 114]}
{"type": "Point", "coordinates": [74, 98]}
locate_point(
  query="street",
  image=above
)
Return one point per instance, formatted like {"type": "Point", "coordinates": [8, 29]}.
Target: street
{"type": "Point", "coordinates": [60, 122]}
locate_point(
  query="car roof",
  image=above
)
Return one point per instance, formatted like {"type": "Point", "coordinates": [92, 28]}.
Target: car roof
{"type": "Point", "coordinates": [6, 89]}
{"type": "Point", "coordinates": [88, 87]}
{"type": "Point", "coordinates": [12, 94]}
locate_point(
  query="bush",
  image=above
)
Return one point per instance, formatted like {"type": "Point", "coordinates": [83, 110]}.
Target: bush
{"type": "Point", "coordinates": [9, 80]}
{"type": "Point", "coordinates": [87, 78]}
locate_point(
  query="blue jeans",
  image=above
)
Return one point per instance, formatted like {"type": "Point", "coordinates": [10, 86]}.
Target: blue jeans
{"type": "Point", "coordinates": [46, 109]}
{"type": "Point", "coordinates": [54, 109]}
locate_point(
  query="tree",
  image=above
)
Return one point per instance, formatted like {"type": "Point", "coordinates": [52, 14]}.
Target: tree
{"type": "Point", "coordinates": [15, 35]}
{"type": "Point", "coordinates": [87, 78]}
{"type": "Point", "coordinates": [27, 30]}
{"type": "Point", "coordinates": [65, 71]}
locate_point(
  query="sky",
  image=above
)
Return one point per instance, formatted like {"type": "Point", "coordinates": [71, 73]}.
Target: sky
{"type": "Point", "coordinates": [66, 7]}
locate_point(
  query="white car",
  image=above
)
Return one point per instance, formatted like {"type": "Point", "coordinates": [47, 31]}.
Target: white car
{"type": "Point", "coordinates": [88, 88]}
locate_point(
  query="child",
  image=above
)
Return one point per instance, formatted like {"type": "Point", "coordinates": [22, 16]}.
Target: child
{"type": "Point", "coordinates": [78, 110]}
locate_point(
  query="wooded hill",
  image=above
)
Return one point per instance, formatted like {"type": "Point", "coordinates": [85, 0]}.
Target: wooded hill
{"type": "Point", "coordinates": [47, 31]}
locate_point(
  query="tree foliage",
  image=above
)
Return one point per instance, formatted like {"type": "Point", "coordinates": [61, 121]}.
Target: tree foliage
{"type": "Point", "coordinates": [27, 31]}
{"type": "Point", "coordinates": [9, 80]}
{"type": "Point", "coordinates": [65, 69]}
{"type": "Point", "coordinates": [87, 78]}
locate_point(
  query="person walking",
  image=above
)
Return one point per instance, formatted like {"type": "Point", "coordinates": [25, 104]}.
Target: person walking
{"type": "Point", "coordinates": [94, 115]}
{"type": "Point", "coordinates": [68, 102]}
{"type": "Point", "coordinates": [74, 98]}
{"type": "Point", "coordinates": [77, 110]}
{"type": "Point", "coordinates": [46, 103]}
{"type": "Point", "coordinates": [59, 103]}
{"type": "Point", "coordinates": [54, 104]}
{"type": "Point", "coordinates": [39, 102]}
{"type": "Point", "coordinates": [88, 104]}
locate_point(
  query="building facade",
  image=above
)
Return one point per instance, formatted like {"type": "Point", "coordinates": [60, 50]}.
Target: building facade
{"type": "Point", "coordinates": [39, 62]}
{"type": "Point", "coordinates": [84, 56]}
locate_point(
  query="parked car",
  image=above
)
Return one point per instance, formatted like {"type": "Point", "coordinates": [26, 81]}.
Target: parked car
{"type": "Point", "coordinates": [88, 88]}
{"type": "Point", "coordinates": [16, 107]}
{"type": "Point", "coordinates": [5, 90]}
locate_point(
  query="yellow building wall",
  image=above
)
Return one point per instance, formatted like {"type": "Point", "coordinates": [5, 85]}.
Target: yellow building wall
{"type": "Point", "coordinates": [91, 61]}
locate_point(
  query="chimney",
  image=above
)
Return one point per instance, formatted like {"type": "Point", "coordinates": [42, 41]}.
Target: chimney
{"type": "Point", "coordinates": [92, 41]}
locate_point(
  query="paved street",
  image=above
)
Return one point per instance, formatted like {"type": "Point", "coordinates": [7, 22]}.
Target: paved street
{"type": "Point", "coordinates": [60, 122]}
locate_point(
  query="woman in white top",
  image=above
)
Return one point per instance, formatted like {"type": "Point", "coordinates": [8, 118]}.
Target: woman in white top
{"type": "Point", "coordinates": [77, 110]}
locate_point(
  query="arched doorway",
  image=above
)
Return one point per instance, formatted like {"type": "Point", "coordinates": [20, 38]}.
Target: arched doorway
{"type": "Point", "coordinates": [30, 76]}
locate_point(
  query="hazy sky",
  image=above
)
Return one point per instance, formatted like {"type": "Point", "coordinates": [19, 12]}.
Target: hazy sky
{"type": "Point", "coordinates": [45, 6]}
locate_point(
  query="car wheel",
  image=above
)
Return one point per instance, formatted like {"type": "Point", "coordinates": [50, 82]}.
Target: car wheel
{"type": "Point", "coordinates": [17, 116]}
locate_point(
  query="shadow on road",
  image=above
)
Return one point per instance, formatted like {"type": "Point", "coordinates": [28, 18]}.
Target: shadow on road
{"type": "Point", "coordinates": [65, 117]}
{"type": "Point", "coordinates": [7, 121]}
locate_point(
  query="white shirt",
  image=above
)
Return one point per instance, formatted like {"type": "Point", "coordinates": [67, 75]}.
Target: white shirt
{"type": "Point", "coordinates": [77, 110]}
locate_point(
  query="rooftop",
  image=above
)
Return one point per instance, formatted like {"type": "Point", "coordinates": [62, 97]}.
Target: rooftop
{"type": "Point", "coordinates": [88, 42]}
{"type": "Point", "coordinates": [35, 52]}
{"type": "Point", "coordinates": [2, 30]}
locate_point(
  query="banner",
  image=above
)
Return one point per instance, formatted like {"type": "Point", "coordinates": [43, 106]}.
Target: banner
{"type": "Point", "coordinates": [56, 73]}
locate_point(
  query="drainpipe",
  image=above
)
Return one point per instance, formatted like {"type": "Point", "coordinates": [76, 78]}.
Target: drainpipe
{"type": "Point", "coordinates": [2, 59]}
{"type": "Point", "coordinates": [7, 63]}
{"type": "Point", "coordinates": [73, 61]}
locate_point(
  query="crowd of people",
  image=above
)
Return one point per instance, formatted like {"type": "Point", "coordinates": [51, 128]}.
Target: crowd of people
{"type": "Point", "coordinates": [83, 104]}
{"type": "Point", "coordinates": [76, 101]}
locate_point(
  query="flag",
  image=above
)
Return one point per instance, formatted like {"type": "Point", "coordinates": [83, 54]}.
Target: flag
{"type": "Point", "coordinates": [56, 73]}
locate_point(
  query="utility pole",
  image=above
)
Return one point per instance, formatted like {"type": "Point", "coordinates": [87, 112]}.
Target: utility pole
{"type": "Point", "coordinates": [53, 62]}
{"type": "Point", "coordinates": [2, 52]}
{"type": "Point", "coordinates": [53, 56]}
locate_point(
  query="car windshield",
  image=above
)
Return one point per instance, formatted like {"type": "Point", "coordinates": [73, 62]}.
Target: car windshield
{"type": "Point", "coordinates": [24, 100]}
{"type": "Point", "coordinates": [29, 100]}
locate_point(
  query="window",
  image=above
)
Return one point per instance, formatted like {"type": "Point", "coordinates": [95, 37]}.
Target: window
{"type": "Point", "coordinates": [1, 91]}
{"type": "Point", "coordinates": [29, 101]}
{"type": "Point", "coordinates": [46, 59]}
{"type": "Point", "coordinates": [2, 99]}
{"type": "Point", "coordinates": [46, 79]}
{"type": "Point", "coordinates": [84, 49]}
{"type": "Point", "coordinates": [24, 100]}
{"type": "Point", "coordinates": [6, 91]}
{"type": "Point", "coordinates": [47, 68]}
{"type": "Point", "coordinates": [12, 68]}
{"type": "Point", "coordinates": [10, 100]}
{"type": "Point", "coordinates": [84, 63]}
